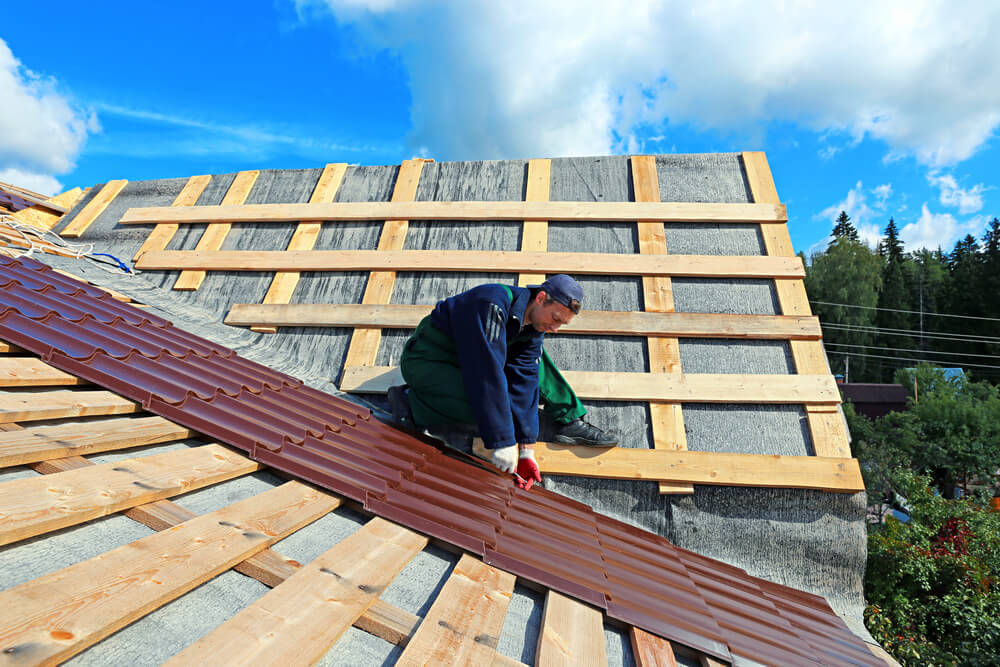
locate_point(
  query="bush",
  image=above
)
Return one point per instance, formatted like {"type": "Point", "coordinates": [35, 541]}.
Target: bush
{"type": "Point", "coordinates": [932, 583]}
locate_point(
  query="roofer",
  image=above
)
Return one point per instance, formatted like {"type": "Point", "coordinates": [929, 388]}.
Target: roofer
{"type": "Point", "coordinates": [477, 362]}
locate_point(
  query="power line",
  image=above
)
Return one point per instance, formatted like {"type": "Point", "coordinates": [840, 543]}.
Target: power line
{"type": "Point", "coordinates": [910, 349]}
{"type": "Point", "coordinates": [962, 338]}
{"type": "Point", "coordinates": [912, 312]}
{"type": "Point", "coordinates": [924, 361]}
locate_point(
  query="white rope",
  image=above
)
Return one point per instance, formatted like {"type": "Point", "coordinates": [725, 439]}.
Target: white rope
{"type": "Point", "coordinates": [14, 234]}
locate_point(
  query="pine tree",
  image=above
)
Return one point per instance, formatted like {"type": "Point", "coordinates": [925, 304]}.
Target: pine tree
{"type": "Point", "coordinates": [844, 228]}
{"type": "Point", "coordinates": [892, 298]}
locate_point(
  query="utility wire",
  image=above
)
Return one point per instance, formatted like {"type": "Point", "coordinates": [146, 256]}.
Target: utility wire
{"type": "Point", "coordinates": [910, 349]}
{"type": "Point", "coordinates": [912, 312]}
{"type": "Point", "coordinates": [962, 338]}
{"type": "Point", "coordinates": [925, 361]}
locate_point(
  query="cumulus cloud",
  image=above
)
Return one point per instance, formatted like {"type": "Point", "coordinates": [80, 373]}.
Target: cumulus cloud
{"type": "Point", "coordinates": [41, 134]}
{"type": "Point", "coordinates": [966, 201]}
{"type": "Point", "coordinates": [938, 230]}
{"type": "Point", "coordinates": [571, 77]}
{"type": "Point", "coordinates": [866, 219]}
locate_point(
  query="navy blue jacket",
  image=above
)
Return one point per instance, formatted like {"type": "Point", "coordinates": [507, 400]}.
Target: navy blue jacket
{"type": "Point", "coordinates": [499, 361]}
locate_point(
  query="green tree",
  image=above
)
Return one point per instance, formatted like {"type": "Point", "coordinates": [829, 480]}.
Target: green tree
{"type": "Point", "coordinates": [958, 424]}
{"type": "Point", "coordinates": [847, 273]}
{"type": "Point", "coordinates": [844, 229]}
{"type": "Point", "coordinates": [927, 277]}
{"type": "Point", "coordinates": [931, 583]}
{"type": "Point", "coordinates": [892, 299]}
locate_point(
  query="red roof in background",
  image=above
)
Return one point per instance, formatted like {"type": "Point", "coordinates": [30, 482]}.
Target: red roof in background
{"type": "Point", "coordinates": [634, 575]}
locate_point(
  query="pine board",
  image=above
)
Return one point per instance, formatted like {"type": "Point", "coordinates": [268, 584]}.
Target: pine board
{"type": "Point", "coordinates": [38, 505]}
{"type": "Point", "coordinates": [33, 406]}
{"type": "Point", "coordinates": [56, 616]}
{"type": "Point", "coordinates": [161, 234]}
{"type": "Point", "coordinates": [33, 372]}
{"type": "Point", "coordinates": [572, 634]}
{"type": "Point", "coordinates": [298, 621]}
{"type": "Point", "coordinates": [94, 208]}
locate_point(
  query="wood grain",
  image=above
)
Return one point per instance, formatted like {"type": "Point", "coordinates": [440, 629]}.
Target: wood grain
{"type": "Point", "coordinates": [695, 266]}
{"type": "Point", "coordinates": [572, 634]}
{"type": "Point", "coordinates": [535, 233]}
{"type": "Point", "coordinates": [714, 468]}
{"type": "Point", "coordinates": [298, 621]}
{"type": "Point", "coordinates": [85, 218]}
{"type": "Point", "coordinates": [589, 322]}
{"type": "Point", "coordinates": [284, 282]}
{"type": "Point", "coordinates": [38, 505]}
{"type": "Point", "coordinates": [57, 615]}
{"type": "Point", "coordinates": [162, 234]}
{"type": "Point", "coordinates": [215, 235]}
{"type": "Point", "coordinates": [32, 406]}
{"type": "Point", "coordinates": [670, 387]}
{"type": "Point", "coordinates": [462, 210]}
{"type": "Point", "coordinates": [650, 650]}
{"type": "Point", "coordinates": [463, 625]}
{"type": "Point", "coordinates": [33, 372]}
{"type": "Point", "coordinates": [52, 442]}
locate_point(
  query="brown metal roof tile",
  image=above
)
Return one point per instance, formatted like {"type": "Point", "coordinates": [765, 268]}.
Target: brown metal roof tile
{"type": "Point", "coordinates": [638, 577]}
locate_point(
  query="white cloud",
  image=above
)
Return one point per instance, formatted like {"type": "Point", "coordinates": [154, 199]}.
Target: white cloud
{"type": "Point", "coordinates": [571, 77]}
{"type": "Point", "coordinates": [934, 230]}
{"type": "Point", "coordinates": [882, 194]}
{"type": "Point", "coordinates": [966, 201]}
{"type": "Point", "coordinates": [41, 134]}
{"type": "Point", "coordinates": [865, 219]}
{"type": "Point", "coordinates": [43, 184]}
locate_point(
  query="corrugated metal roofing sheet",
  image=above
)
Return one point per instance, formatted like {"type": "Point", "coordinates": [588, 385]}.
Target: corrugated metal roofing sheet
{"type": "Point", "coordinates": [636, 576]}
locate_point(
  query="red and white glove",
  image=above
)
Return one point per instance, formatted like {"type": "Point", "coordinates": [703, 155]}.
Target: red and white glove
{"type": "Point", "coordinates": [505, 458]}
{"type": "Point", "coordinates": [527, 469]}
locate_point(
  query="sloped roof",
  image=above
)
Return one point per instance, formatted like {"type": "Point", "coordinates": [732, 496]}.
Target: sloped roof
{"type": "Point", "coordinates": [636, 576]}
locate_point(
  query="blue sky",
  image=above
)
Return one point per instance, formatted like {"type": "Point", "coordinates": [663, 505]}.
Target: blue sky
{"type": "Point", "coordinates": [883, 109]}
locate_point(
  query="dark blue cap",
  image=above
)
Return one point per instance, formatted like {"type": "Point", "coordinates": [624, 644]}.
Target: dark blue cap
{"type": "Point", "coordinates": [563, 289]}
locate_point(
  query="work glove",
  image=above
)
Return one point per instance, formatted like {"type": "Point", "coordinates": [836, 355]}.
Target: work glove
{"type": "Point", "coordinates": [505, 458]}
{"type": "Point", "coordinates": [527, 469]}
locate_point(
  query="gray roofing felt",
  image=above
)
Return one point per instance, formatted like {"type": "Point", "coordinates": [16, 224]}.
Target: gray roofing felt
{"type": "Point", "coordinates": [810, 540]}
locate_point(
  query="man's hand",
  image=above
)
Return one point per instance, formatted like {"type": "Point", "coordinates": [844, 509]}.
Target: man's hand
{"type": "Point", "coordinates": [527, 469]}
{"type": "Point", "coordinates": [505, 458]}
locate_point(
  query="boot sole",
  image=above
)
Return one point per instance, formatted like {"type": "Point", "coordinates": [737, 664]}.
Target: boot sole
{"type": "Point", "coordinates": [566, 440]}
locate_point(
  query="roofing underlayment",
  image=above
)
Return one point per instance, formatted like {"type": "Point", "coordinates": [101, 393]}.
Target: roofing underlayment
{"type": "Point", "coordinates": [699, 348]}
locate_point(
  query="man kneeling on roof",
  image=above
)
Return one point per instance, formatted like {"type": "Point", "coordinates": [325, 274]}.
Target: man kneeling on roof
{"type": "Point", "coordinates": [476, 364]}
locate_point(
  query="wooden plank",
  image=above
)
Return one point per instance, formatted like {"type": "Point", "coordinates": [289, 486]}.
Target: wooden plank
{"type": "Point", "coordinates": [382, 619]}
{"type": "Point", "coordinates": [572, 634]}
{"type": "Point", "coordinates": [670, 387]}
{"type": "Point", "coordinates": [512, 211]}
{"type": "Point", "coordinates": [363, 348]}
{"type": "Point", "coordinates": [215, 234]}
{"type": "Point", "coordinates": [297, 622]}
{"type": "Point", "coordinates": [57, 615]}
{"type": "Point", "coordinates": [52, 442]}
{"type": "Point", "coordinates": [650, 650]}
{"type": "Point", "coordinates": [828, 432]}
{"type": "Point", "coordinates": [497, 261]}
{"type": "Point", "coordinates": [7, 348]}
{"type": "Point", "coordinates": [715, 468]}
{"type": "Point", "coordinates": [535, 233]}
{"type": "Point", "coordinates": [284, 282]}
{"type": "Point", "coordinates": [658, 296]}
{"type": "Point", "coordinates": [94, 208]}
{"type": "Point", "coordinates": [32, 406]}
{"type": "Point", "coordinates": [37, 216]}
{"type": "Point", "coordinates": [589, 322]}
{"type": "Point", "coordinates": [33, 372]}
{"type": "Point", "coordinates": [38, 505]}
{"type": "Point", "coordinates": [162, 234]}
{"type": "Point", "coordinates": [463, 625]}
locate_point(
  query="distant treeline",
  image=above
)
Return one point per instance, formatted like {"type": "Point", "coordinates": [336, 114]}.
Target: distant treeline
{"type": "Point", "coordinates": [884, 308]}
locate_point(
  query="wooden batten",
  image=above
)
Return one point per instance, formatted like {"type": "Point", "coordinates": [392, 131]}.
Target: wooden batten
{"type": "Point", "coordinates": [215, 234]}
{"type": "Point", "coordinates": [365, 341]}
{"type": "Point", "coordinates": [828, 432]}
{"type": "Point", "coordinates": [572, 634]}
{"type": "Point", "coordinates": [33, 372]}
{"type": "Point", "coordinates": [498, 261]}
{"type": "Point", "coordinates": [666, 420]}
{"type": "Point", "coordinates": [60, 614]}
{"type": "Point", "coordinates": [163, 233]}
{"type": "Point", "coordinates": [669, 387]}
{"type": "Point", "coordinates": [562, 211]}
{"type": "Point", "coordinates": [535, 233]}
{"type": "Point", "coordinates": [86, 217]}
{"type": "Point", "coordinates": [32, 406]}
{"type": "Point", "coordinates": [284, 282]}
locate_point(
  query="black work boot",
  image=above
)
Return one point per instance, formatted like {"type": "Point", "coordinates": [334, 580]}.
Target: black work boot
{"type": "Point", "coordinates": [580, 432]}
{"type": "Point", "coordinates": [399, 404]}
